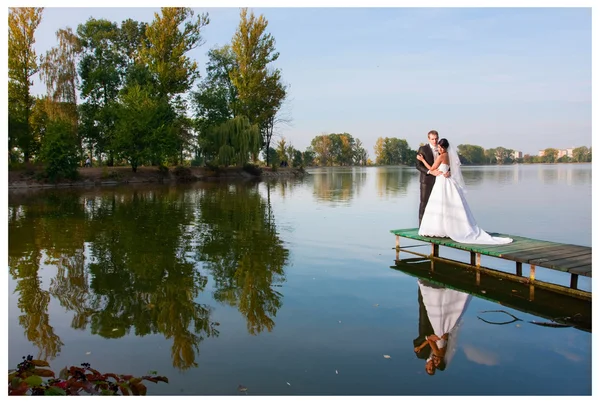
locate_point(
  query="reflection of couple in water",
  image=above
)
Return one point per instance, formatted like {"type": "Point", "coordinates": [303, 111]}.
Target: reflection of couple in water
{"type": "Point", "coordinates": [440, 315]}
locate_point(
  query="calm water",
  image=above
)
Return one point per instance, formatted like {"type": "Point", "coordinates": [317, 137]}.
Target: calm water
{"type": "Point", "coordinates": [283, 287]}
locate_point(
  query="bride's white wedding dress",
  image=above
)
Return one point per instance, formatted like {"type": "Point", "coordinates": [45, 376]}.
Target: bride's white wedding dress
{"type": "Point", "coordinates": [447, 214]}
{"type": "Point", "coordinates": [445, 309]}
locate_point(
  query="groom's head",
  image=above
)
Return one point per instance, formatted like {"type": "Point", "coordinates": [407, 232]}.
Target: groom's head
{"type": "Point", "coordinates": [433, 137]}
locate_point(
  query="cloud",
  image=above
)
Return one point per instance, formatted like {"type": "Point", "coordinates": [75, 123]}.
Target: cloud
{"type": "Point", "coordinates": [482, 357]}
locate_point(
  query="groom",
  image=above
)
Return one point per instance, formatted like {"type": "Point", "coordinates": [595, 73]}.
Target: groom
{"type": "Point", "coordinates": [430, 153]}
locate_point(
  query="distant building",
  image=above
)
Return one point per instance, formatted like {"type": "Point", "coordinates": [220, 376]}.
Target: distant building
{"type": "Point", "coordinates": [517, 154]}
{"type": "Point", "coordinates": [541, 153]}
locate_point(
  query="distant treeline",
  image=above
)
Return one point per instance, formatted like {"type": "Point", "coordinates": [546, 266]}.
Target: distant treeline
{"type": "Point", "coordinates": [341, 149]}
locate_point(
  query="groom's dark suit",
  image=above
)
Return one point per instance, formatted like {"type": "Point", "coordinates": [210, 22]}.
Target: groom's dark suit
{"type": "Point", "coordinates": [427, 180]}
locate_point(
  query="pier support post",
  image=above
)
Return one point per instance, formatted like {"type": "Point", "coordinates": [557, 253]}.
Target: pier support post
{"type": "Point", "coordinates": [397, 241]}
{"type": "Point", "coordinates": [435, 250]}
{"type": "Point", "coordinates": [472, 258]}
{"type": "Point", "coordinates": [531, 292]}
{"type": "Point", "coordinates": [532, 273]}
{"type": "Point", "coordinates": [477, 277]}
{"type": "Point", "coordinates": [519, 269]}
{"type": "Point", "coordinates": [478, 260]}
{"type": "Point", "coordinates": [574, 278]}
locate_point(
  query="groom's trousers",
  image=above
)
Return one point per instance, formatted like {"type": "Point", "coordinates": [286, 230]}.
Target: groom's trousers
{"type": "Point", "coordinates": [425, 193]}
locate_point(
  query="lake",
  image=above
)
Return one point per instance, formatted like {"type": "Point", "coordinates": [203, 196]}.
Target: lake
{"type": "Point", "coordinates": [285, 287]}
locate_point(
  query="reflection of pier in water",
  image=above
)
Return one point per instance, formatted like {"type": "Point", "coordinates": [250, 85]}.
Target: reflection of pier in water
{"type": "Point", "coordinates": [556, 307]}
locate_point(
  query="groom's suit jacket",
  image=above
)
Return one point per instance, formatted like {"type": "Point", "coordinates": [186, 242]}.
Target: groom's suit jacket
{"type": "Point", "coordinates": [428, 154]}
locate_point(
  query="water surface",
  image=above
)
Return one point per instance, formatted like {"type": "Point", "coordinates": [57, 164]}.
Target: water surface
{"type": "Point", "coordinates": [283, 287]}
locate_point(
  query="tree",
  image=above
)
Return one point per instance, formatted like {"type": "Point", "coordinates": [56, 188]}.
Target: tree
{"type": "Point", "coordinates": [322, 147]}
{"type": "Point", "coordinates": [393, 151]}
{"type": "Point", "coordinates": [58, 70]}
{"type": "Point", "coordinates": [234, 141]}
{"type": "Point", "coordinates": [136, 125]}
{"type": "Point", "coordinates": [308, 157]}
{"type": "Point", "coordinates": [102, 68]}
{"type": "Point", "coordinates": [471, 154]}
{"type": "Point", "coordinates": [61, 147]}
{"type": "Point", "coordinates": [22, 65]}
{"type": "Point", "coordinates": [260, 90]}
{"type": "Point", "coordinates": [282, 150]}
{"type": "Point", "coordinates": [360, 155]}
{"type": "Point", "coordinates": [166, 45]}
{"type": "Point", "coordinates": [379, 151]}
{"type": "Point", "coordinates": [490, 156]}
{"type": "Point", "coordinates": [582, 154]}
{"type": "Point", "coordinates": [550, 155]}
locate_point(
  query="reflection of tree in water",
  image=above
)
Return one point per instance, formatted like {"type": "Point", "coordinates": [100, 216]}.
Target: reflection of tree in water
{"type": "Point", "coordinates": [30, 232]}
{"type": "Point", "coordinates": [140, 275]}
{"type": "Point", "coordinates": [473, 176]}
{"type": "Point", "coordinates": [337, 185]}
{"type": "Point", "coordinates": [393, 181]}
{"type": "Point", "coordinates": [238, 241]}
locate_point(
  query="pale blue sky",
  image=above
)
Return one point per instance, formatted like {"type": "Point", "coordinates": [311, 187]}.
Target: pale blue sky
{"type": "Point", "coordinates": [513, 77]}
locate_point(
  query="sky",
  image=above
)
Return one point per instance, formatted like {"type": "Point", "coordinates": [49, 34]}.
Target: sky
{"type": "Point", "coordinates": [519, 78]}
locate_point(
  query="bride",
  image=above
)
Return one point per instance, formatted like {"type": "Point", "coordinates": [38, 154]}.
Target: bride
{"type": "Point", "coordinates": [447, 213]}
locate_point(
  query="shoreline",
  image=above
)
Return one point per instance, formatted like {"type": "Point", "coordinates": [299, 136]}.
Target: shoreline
{"type": "Point", "coordinates": [117, 176]}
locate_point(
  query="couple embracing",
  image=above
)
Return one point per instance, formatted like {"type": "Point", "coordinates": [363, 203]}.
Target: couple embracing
{"type": "Point", "coordinates": [443, 211]}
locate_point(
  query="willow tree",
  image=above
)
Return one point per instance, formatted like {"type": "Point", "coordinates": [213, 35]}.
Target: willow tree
{"type": "Point", "coordinates": [233, 142]}
{"type": "Point", "coordinates": [22, 65]}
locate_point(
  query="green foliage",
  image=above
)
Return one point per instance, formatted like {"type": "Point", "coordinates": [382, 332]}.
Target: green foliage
{"type": "Point", "coordinates": [393, 151]}
{"type": "Point", "coordinates": [27, 379]}
{"type": "Point", "coordinates": [168, 38]}
{"type": "Point", "coordinates": [471, 154]}
{"type": "Point", "coordinates": [60, 151]}
{"type": "Point", "coordinates": [22, 66]}
{"type": "Point", "coordinates": [232, 142]}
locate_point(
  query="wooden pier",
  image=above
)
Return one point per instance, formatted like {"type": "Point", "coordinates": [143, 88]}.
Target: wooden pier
{"type": "Point", "coordinates": [573, 259]}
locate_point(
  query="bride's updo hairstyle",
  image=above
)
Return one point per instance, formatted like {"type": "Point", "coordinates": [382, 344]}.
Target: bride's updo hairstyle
{"type": "Point", "coordinates": [444, 143]}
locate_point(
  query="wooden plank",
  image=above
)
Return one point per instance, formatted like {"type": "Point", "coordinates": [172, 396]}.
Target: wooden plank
{"type": "Point", "coordinates": [556, 256]}
{"type": "Point", "coordinates": [568, 263]}
{"type": "Point", "coordinates": [526, 248]}
{"type": "Point", "coordinates": [585, 270]}
{"type": "Point", "coordinates": [548, 252]}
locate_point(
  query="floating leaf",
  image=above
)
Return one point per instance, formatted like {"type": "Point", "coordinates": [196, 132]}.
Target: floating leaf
{"type": "Point", "coordinates": [54, 391]}
{"type": "Point", "coordinates": [242, 388]}
{"type": "Point", "coordinates": [336, 371]}
{"type": "Point", "coordinates": [386, 356]}
{"type": "Point", "coordinates": [34, 380]}
{"type": "Point", "coordinates": [375, 305]}
{"type": "Point", "coordinates": [288, 384]}
{"type": "Point", "coordinates": [88, 353]}
{"type": "Point", "coordinates": [40, 363]}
